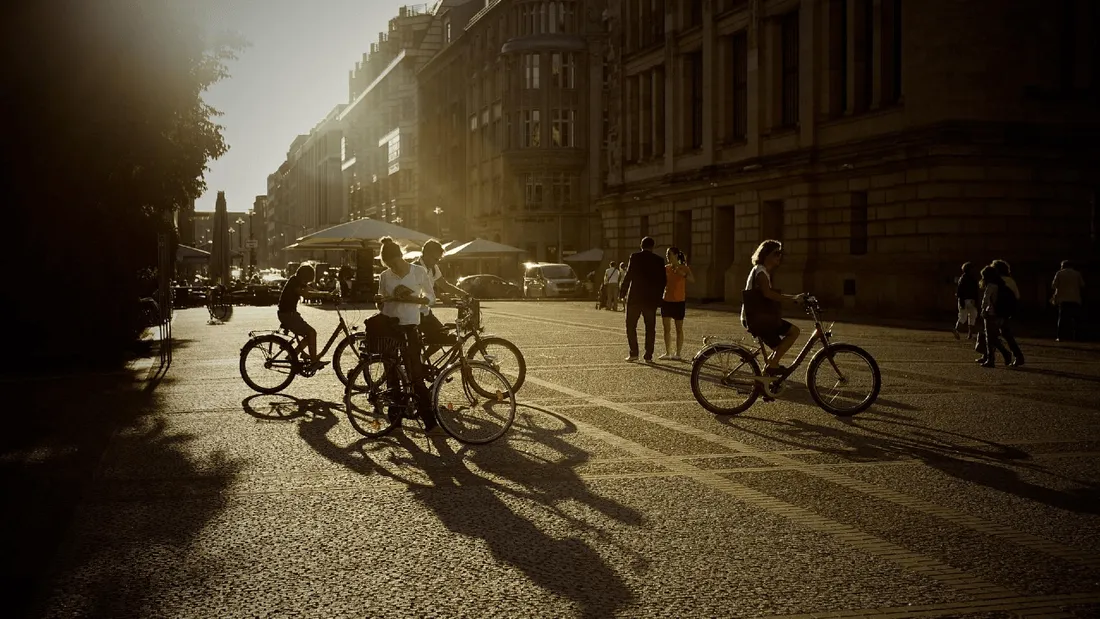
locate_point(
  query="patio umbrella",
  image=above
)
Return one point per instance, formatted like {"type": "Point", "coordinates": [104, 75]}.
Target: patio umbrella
{"type": "Point", "coordinates": [480, 248]}
{"type": "Point", "coordinates": [188, 254]}
{"type": "Point", "coordinates": [351, 235]}
{"type": "Point", "coordinates": [590, 255]}
{"type": "Point", "coordinates": [220, 257]}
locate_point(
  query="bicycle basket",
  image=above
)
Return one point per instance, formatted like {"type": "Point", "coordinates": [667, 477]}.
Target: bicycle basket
{"type": "Point", "coordinates": [384, 345]}
{"type": "Point", "coordinates": [470, 315]}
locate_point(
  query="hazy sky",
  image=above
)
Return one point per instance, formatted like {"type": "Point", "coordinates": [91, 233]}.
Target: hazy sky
{"type": "Point", "coordinates": [291, 77]}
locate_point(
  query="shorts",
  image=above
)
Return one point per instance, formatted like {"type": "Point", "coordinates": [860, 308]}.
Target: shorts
{"type": "Point", "coordinates": [293, 322]}
{"type": "Point", "coordinates": [774, 337]}
{"type": "Point", "coordinates": [968, 312]}
{"type": "Point", "coordinates": [673, 309]}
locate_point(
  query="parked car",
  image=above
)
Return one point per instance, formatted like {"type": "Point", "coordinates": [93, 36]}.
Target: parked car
{"type": "Point", "coordinates": [254, 294]}
{"type": "Point", "coordinates": [548, 279]}
{"type": "Point", "coordinates": [485, 286]}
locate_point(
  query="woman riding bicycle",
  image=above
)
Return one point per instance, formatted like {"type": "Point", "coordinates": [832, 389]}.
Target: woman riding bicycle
{"type": "Point", "coordinates": [404, 288]}
{"type": "Point", "coordinates": [761, 314]}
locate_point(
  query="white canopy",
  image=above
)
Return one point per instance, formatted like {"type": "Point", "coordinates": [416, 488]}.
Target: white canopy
{"type": "Point", "coordinates": [480, 248]}
{"type": "Point", "coordinates": [591, 255]}
{"type": "Point", "coordinates": [351, 235]}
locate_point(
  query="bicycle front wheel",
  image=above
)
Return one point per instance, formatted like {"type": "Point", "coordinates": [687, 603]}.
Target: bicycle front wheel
{"type": "Point", "coordinates": [220, 311]}
{"type": "Point", "coordinates": [464, 412]}
{"type": "Point", "coordinates": [347, 355]}
{"type": "Point", "coordinates": [843, 379]}
{"type": "Point", "coordinates": [268, 364]}
{"type": "Point", "coordinates": [723, 379]}
{"type": "Point", "coordinates": [368, 402]}
{"type": "Point", "coordinates": [505, 358]}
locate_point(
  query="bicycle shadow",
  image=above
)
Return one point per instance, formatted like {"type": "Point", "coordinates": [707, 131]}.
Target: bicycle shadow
{"type": "Point", "coordinates": [967, 458]}
{"type": "Point", "coordinates": [468, 489]}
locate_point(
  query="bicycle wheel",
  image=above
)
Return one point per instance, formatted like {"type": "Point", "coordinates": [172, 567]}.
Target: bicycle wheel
{"type": "Point", "coordinates": [368, 400]}
{"type": "Point", "coordinates": [723, 379]}
{"type": "Point", "coordinates": [268, 364]}
{"type": "Point", "coordinates": [505, 357]}
{"type": "Point", "coordinates": [347, 355]}
{"type": "Point", "coordinates": [466, 415]}
{"type": "Point", "coordinates": [843, 379]}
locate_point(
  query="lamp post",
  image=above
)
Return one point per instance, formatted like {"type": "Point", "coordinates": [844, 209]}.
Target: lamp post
{"type": "Point", "coordinates": [240, 241]}
{"type": "Point", "coordinates": [251, 244]}
{"type": "Point", "coordinates": [282, 246]}
{"type": "Point", "coordinates": [438, 223]}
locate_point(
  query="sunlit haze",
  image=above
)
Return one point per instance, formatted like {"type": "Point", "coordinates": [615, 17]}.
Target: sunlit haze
{"type": "Point", "coordinates": [291, 76]}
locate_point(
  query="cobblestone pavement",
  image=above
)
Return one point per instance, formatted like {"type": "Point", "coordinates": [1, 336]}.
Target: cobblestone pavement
{"type": "Point", "coordinates": [965, 492]}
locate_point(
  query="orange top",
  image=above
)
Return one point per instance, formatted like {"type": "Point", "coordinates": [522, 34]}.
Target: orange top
{"type": "Point", "coordinates": [676, 282]}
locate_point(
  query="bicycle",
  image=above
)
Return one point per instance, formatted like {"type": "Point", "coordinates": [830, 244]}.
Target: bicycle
{"type": "Point", "coordinates": [471, 401]}
{"type": "Point", "coordinates": [501, 354]}
{"type": "Point", "coordinates": [216, 305]}
{"type": "Point", "coordinates": [274, 355]}
{"type": "Point", "coordinates": [728, 372]}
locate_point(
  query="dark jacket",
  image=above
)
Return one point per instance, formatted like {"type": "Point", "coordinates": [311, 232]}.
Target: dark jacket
{"type": "Point", "coordinates": [644, 282]}
{"type": "Point", "coordinates": [968, 289]}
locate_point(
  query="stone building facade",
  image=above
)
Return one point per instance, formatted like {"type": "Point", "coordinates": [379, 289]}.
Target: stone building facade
{"type": "Point", "coordinates": [379, 152]}
{"type": "Point", "coordinates": [511, 113]}
{"type": "Point", "coordinates": [884, 141]}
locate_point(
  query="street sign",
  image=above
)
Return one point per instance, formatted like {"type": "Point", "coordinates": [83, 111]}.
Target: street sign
{"type": "Point", "coordinates": [252, 243]}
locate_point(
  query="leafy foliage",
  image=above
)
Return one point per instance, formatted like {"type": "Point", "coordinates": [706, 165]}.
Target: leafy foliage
{"type": "Point", "coordinates": [112, 136]}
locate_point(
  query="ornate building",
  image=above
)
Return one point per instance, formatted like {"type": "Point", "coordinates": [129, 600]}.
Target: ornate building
{"type": "Point", "coordinates": [884, 141]}
{"type": "Point", "coordinates": [511, 114]}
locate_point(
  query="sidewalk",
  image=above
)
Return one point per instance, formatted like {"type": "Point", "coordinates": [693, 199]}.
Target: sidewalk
{"type": "Point", "coordinates": [49, 454]}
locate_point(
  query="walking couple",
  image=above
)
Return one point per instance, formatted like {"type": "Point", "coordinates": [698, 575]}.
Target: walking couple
{"type": "Point", "coordinates": [650, 283]}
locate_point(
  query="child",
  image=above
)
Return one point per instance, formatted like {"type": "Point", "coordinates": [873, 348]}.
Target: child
{"type": "Point", "coordinates": [967, 294]}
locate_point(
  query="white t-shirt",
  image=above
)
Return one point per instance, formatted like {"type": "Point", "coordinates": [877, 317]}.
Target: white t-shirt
{"type": "Point", "coordinates": [434, 274]}
{"type": "Point", "coordinates": [612, 275]}
{"type": "Point", "coordinates": [750, 283]}
{"type": "Point", "coordinates": [417, 280]}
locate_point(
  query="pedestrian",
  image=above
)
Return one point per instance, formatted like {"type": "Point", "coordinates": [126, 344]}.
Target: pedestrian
{"type": "Point", "coordinates": [674, 303]}
{"type": "Point", "coordinates": [993, 293]}
{"type": "Point", "coordinates": [1067, 296]}
{"type": "Point", "coordinates": [761, 312]}
{"type": "Point", "coordinates": [642, 287]}
{"type": "Point", "coordinates": [611, 279]}
{"type": "Point", "coordinates": [1004, 269]}
{"type": "Point", "coordinates": [967, 295]}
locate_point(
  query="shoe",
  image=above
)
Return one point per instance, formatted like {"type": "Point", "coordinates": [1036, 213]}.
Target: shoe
{"type": "Point", "coordinates": [648, 359]}
{"type": "Point", "coordinates": [632, 358]}
{"type": "Point", "coordinates": [988, 364]}
{"type": "Point", "coordinates": [1017, 362]}
{"type": "Point", "coordinates": [956, 333]}
{"type": "Point", "coordinates": [969, 336]}
{"type": "Point", "coordinates": [676, 358]}
{"type": "Point", "coordinates": [429, 422]}
{"type": "Point", "coordinates": [980, 360]}
{"type": "Point", "coordinates": [666, 357]}
{"type": "Point", "coordinates": [778, 370]}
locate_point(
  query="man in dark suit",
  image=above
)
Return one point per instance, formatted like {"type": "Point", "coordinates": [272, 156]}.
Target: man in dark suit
{"type": "Point", "coordinates": [643, 287]}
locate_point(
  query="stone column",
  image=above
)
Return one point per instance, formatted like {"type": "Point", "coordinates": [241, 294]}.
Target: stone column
{"type": "Point", "coordinates": [756, 86]}
{"type": "Point", "coordinates": [710, 81]}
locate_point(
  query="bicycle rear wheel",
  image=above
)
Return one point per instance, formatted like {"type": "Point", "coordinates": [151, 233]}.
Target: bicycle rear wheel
{"type": "Point", "coordinates": [505, 357]}
{"type": "Point", "coordinates": [463, 412]}
{"type": "Point", "coordinates": [723, 379]}
{"type": "Point", "coordinates": [268, 364]}
{"type": "Point", "coordinates": [368, 402]}
{"type": "Point", "coordinates": [220, 311]}
{"type": "Point", "coordinates": [843, 379]}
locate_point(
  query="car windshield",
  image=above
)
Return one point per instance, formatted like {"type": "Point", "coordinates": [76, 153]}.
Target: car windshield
{"type": "Point", "coordinates": [558, 271]}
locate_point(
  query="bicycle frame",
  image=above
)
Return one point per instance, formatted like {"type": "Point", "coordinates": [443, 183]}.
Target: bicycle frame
{"type": "Point", "coordinates": [296, 340]}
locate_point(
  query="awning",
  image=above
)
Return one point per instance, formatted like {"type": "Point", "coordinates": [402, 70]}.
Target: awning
{"type": "Point", "coordinates": [186, 253]}
{"type": "Point", "coordinates": [590, 255]}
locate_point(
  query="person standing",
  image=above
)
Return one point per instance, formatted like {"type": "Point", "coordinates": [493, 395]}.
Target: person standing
{"type": "Point", "coordinates": [967, 294]}
{"type": "Point", "coordinates": [1005, 271]}
{"type": "Point", "coordinates": [611, 278]}
{"type": "Point", "coordinates": [674, 303]}
{"type": "Point", "coordinates": [642, 287]}
{"type": "Point", "coordinates": [1067, 296]}
{"type": "Point", "coordinates": [993, 288]}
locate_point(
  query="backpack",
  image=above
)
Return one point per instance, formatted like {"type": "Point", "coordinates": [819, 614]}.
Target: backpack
{"type": "Point", "coordinates": [1006, 302]}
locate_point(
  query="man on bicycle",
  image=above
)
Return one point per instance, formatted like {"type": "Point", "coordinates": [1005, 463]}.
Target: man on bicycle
{"type": "Point", "coordinates": [433, 331]}
{"type": "Point", "coordinates": [289, 317]}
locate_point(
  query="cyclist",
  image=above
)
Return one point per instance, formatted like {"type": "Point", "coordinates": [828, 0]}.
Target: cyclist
{"type": "Point", "coordinates": [760, 313]}
{"type": "Point", "coordinates": [430, 326]}
{"type": "Point", "coordinates": [292, 320]}
{"type": "Point", "coordinates": [403, 287]}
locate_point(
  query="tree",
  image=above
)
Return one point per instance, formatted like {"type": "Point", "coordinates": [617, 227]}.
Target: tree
{"type": "Point", "coordinates": [113, 135]}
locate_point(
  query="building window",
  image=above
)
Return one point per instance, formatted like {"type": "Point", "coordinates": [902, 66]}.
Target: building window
{"type": "Point", "coordinates": [531, 70]}
{"type": "Point", "coordinates": [858, 242]}
{"type": "Point", "coordinates": [563, 70]}
{"type": "Point", "coordinates": [532, 128]}
{"type": "Point", "coordinates": [561, 189]}
{"type": "Point", "coordinates": [695, 98]}
{"type": "Point", "coordinates": [789, 86]}
{"type": "Point", "coordinates": [864, 55]}
{"type": "Point", "coordinates": [838, 57]}
{"type": "Point", "coordinates": [739, 108]}
{"type": "Point", "coordinates": [891, 46]}
{"type": "Point", "coordinates": [771, 220]}
{"type": "Point", "coordinates": [658, 86]}
{"type": "Point", "coordinates": [447, 31]}
{"type": "Point", "coordinates": [694, 14]}
{"type": "Point", "coordinates": [644, 226]}
{"type": "Point", "coordinates": [532, 194]}
{"type": "Point", "coordinates": [562, 123]}
{"type": "Point", "coordinates": [473, 122]}
{"type": "Point", "coordinates": [508, 130]}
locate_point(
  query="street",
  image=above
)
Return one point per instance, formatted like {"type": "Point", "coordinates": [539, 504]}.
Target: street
{"type": "Point", "coordinates": [964, 492]}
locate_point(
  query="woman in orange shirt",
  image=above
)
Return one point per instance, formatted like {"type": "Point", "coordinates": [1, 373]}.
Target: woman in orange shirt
{"type": "Point", "coordinates": [674, 305]}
